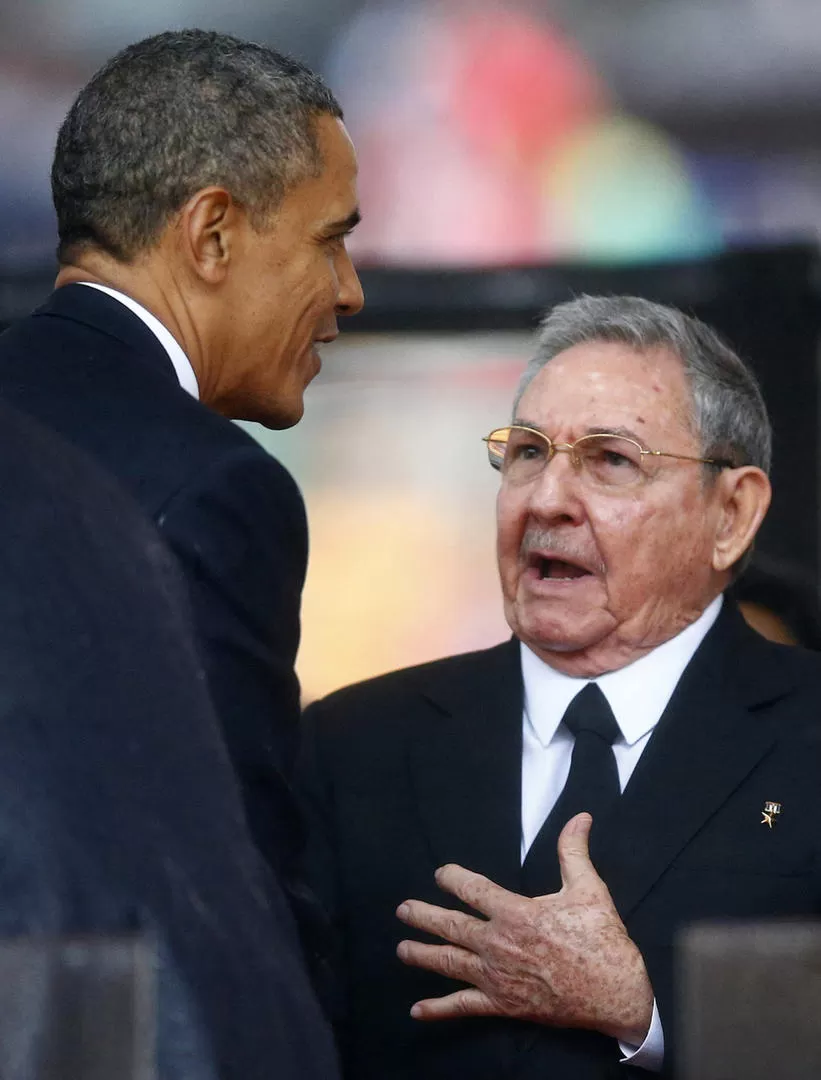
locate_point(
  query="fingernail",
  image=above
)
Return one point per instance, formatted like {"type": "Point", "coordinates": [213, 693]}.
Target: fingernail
{"type": "Point", "coordinates": [402, 950]}
{"type": "Point", "coordinates": [415, 1012]}
{"type": "Point", "coordinates": [403, 911]}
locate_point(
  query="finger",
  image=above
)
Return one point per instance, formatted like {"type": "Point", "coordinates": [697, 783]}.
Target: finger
{"type": "Point", "coordinates": [475, 889]}
{"type": "Point", "coordinates": [455, 926]}
{"type": "Point", "coordinates": [471, 1002]}
{"type": "Point", "coordinates": [574, 854]}
{"type": "Point", "coordinates": [448, 960]}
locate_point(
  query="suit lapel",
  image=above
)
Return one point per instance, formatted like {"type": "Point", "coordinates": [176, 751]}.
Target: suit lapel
{"type": "Point", "coordinates": [465, 763]}
{"type": "Point", "coordinates": [465, 760]}
{"type": "Point", "coordinates": [711, 736]}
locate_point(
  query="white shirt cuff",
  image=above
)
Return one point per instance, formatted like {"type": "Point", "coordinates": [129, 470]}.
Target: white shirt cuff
{"type": "Point", "coordinates": [650, 1054]}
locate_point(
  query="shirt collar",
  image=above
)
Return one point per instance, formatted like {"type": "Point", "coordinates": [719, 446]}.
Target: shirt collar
{"type": "Point", "coordinates": [182, 365]}
{"type": "Point", "coordinates": [548, 692]}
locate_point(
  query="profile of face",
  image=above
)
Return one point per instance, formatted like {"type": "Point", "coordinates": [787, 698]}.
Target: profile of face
{"type": "Point", "coordinates": [602, 560]}
{"type": "Point", "coordinates": [288, 282]}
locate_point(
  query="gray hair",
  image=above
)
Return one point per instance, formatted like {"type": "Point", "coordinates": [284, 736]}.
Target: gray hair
{"type": "Point", "coordinates": [729, 414]}
{"type": "Point", "coordinates": [171, 115]}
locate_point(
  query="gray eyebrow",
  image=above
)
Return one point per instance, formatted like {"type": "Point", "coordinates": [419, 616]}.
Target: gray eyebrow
{"type": "Point", "coordinates": [626, 433]}
{"type": "Point", "coordinates": [518, 422]}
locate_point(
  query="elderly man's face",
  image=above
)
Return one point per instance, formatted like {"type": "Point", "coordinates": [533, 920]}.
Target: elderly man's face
{"type": "Point", "coordinates": [594, 576]}
{"type": "Point", "coordinates": [291, 282]}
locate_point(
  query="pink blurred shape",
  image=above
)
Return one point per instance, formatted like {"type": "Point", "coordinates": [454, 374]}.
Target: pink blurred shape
{"type": "Point", "coordinates": [454, 107]}
{"type": "Point", "coordinates": [520, 85]}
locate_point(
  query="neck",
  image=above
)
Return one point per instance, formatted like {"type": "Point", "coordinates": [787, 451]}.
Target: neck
{"type": "Point", "coordinates": [621, 648]}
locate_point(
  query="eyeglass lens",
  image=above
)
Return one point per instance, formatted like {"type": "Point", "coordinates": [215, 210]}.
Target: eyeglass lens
{"type": "Point", "coordinates": [609, 460]}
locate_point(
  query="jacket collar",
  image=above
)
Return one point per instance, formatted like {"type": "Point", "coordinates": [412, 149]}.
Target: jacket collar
{"type": "Point", "coordinates": [105, 315]}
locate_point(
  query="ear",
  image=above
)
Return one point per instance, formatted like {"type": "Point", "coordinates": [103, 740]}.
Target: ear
{"type": "Point", "coordinates": [744, 495]}
{"type": "Point", "coordinates": [208, 229]}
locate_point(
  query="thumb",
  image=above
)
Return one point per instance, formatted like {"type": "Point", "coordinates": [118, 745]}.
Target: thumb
{"type": "Point", "coordinates": [574, 856]}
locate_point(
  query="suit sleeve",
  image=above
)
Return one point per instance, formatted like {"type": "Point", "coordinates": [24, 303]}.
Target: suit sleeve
{"type": "Point", "coordinates": [322, 932]}
{"type": "Point", "coordinates": [240, 533]}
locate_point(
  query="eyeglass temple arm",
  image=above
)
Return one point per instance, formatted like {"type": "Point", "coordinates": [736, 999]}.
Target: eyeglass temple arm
{"type": "Point", "coordinates": [723, 462]}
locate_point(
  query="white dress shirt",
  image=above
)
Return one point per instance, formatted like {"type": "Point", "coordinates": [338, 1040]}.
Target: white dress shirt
{"type": "Point", "coordinates": [638, 695]}
{"type": "Point", "coordinates": [182, 365]}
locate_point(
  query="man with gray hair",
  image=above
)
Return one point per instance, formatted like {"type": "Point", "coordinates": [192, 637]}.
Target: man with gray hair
{"type": "Point", "coordinates": [204, 188]}
{"type": "Point", "coordinates": [613, 772]}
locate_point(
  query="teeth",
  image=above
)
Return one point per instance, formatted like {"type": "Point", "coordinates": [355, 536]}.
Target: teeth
{"type": "Point", "coordinates": [553, 570]}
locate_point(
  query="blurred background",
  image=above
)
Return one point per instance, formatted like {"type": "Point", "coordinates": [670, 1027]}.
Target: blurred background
{"type": "Point", "coordinates": [511, 155]}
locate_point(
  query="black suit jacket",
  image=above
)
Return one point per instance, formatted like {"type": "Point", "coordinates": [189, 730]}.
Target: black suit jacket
{"type": "Point", "coordinates": [119, 807]}
{"type": "Point", "coordinates": [422, 767]}
{"type": "Point", "coordinates": [88, 368]}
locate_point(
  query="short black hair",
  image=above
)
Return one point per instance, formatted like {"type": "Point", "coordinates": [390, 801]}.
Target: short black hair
{"type": "Point", "coordinates": [170, 115]}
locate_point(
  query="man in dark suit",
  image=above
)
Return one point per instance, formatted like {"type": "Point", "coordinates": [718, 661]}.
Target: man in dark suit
{"type": "Point", "coordinates": [119, 808]}
{"type": "Point", "coordinates": [633, 480]}
{"type": "Point", "coordinates": [204, 187]}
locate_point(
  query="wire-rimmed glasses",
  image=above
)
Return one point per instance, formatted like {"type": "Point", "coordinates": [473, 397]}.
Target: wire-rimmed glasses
{"type": "Point", "coordinates": [522, 453]}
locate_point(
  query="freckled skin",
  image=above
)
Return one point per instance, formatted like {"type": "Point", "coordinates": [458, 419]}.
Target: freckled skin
{"type": "Point", "coordinates": [564, 959]}
{"type": "Point", "coordinates": [655, 541]}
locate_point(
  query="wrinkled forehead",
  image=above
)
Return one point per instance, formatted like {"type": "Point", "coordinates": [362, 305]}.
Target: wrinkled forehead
{"type": "Point", "coordinates": [606, 384]}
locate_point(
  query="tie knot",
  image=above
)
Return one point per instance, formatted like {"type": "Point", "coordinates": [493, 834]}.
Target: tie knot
{"type": "Point", "coordinates": [589, 711]}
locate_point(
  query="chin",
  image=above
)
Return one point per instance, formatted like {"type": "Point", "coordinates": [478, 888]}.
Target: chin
{"type": "Point", "coordinates": [274, 413]}
{"type": "Point", "coordinates": [583, 650]}
{"type": "Point", "coordinates": [561, 643]}
{"type": "Point", "coordinates": [560, 635]}
{"type": "Point", "coordinates": [281, 419]}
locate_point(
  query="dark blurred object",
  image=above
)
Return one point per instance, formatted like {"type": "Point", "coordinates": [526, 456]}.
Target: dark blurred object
{"type": "Point", "coordinates": [77, 1008]}
{"type": "Point", "coordinates": [119, 808]}
{"type": "Point", "coordinates": [780, 601]}
{"type": "Point", "coordinates": [750, 1001]}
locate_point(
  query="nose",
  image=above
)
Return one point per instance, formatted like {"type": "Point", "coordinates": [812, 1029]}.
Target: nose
{"type": "Point", "coordinates": [351, 299]}
{"type": "Point", "coordinates": [555, 495]}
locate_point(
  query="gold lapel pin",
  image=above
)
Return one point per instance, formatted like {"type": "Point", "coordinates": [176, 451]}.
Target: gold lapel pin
{"type": "Point", "coordinates": [769, 815]}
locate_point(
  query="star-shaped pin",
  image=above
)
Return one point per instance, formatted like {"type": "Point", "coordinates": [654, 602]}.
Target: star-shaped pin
{"type": "Point", "coordinates": [767, 819]}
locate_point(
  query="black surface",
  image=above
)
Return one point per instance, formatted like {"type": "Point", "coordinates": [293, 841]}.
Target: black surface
{"type": "Point", "coordinates": [89, 369]}
{"type": "Point", "coordinates": [119, 809]}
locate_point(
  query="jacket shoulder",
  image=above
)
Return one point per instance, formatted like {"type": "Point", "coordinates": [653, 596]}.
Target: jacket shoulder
{"type": "Point", "coordinates": [396, 691]}
{"type": "Point", "coordinates": [109, 388]}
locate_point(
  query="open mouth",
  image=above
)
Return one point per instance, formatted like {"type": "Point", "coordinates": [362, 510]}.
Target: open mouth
{"type": "Point", "coordinates": [558, 569]}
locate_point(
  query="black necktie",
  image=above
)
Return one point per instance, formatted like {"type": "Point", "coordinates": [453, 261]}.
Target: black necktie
{"type": "Point", "coordinates": [592, 785]}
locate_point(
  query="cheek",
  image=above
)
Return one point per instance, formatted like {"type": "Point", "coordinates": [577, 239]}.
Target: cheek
{"type": "Point", "coordinates": [651, 547]}
{"type": "Point", "coordinates": [619, 526]}
{"type": "Point", "coordinates": [314, 299]}
{"type": "Point", "coordinates": [510, 518]}
{"type": "Point", "coordinates": [319, 279]}
{"type": "Point", "coordinates": [292, 286]}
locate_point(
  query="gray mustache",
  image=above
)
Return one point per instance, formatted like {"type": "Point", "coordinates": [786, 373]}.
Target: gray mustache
{"type": "Point", "coordinates": [558, 543]}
